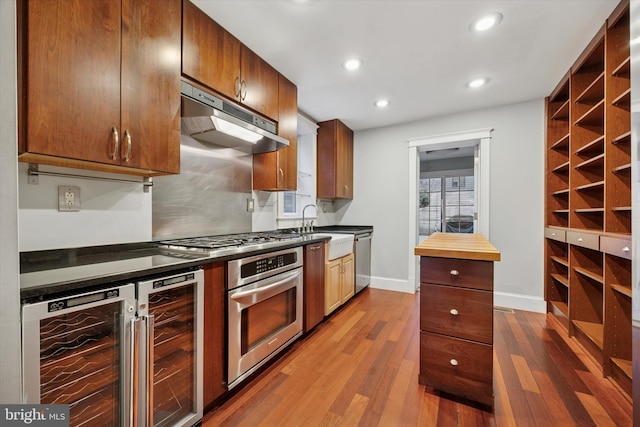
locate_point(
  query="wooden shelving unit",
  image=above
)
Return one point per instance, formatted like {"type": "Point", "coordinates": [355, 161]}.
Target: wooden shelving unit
{"type": "Point", "coordinates": [588, 200]}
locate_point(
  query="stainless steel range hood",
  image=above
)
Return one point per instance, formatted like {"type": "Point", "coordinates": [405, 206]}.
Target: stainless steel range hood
{"type": "Point", "coordinates": [207, 118]}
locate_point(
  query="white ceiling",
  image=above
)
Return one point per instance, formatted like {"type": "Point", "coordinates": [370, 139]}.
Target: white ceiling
{"type": "Point", "coordinates": [417, 53]}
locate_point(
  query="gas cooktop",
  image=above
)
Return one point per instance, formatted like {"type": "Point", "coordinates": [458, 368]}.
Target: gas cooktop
{"type": "Point", "coordinates": [230, 243]}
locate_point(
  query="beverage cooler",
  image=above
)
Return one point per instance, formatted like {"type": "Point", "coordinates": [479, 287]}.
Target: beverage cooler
{"type": "Point", "coordinates": [128, 356]}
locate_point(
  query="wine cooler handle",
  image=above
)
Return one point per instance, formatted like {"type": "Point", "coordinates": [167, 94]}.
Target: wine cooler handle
{"type": "Point", "coordinates": [134, 353]}
{"type": "Point", "coordinates": [150, 319]}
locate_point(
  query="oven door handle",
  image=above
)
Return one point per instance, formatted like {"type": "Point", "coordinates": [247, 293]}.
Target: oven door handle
{"type": "Point", "coordinates": [268, 290]}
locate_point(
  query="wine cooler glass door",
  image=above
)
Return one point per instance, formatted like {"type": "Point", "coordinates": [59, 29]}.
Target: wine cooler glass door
{"type": "Point", "coordinates": [171, 310]}
{"type": "Point", "coordinates": [76, 352]}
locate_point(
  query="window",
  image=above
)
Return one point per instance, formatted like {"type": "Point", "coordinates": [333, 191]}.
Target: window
{"type": "Point", "coordinates": [451, 195]}
{"type": "Point", "coordinates": [291, 203]}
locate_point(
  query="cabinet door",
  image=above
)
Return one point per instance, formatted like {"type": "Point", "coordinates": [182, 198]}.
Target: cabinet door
{"type": "Point", "coordinates": [150, 130]}
{"type": "Point", "coordinates": [348, 278]}
{"type": "Point", "coordinates": [313, 285]}
{"type": "Point", "coordinates": [214, 352]}
{"type": "Point", "coordinates": [71, 63]}
{"type": "Point", "coordinates": [259, 84]}
{"type": "Point", "coordinates": [335, 160]}
{"type": "Point", "coordinates": [278, 170]}
{"type": "Point", "coordinates": [210, 54]}
{"type": "Point", "coordinates": [332, 287]}
{"type": "Point", "coordinates": [344, 161]}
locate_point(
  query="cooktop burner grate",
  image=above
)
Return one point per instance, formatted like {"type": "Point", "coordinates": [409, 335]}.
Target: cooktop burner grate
{"type": "Point", "coordinates": [244, 240]}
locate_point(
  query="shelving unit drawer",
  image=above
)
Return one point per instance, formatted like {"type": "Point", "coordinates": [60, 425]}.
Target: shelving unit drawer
{"type": "Point", "coordinates": [457, 272]}
{"type": "Point", "coordinates": [555, 234]}
{"type": "Point", "coordinates": [464, 313]}
{"type": "Point", "coordinates": [457, 366]}
{"type": "Point", "coordinates": [616, 246]}
{"type": "Point", "coordinates": [584, 239]}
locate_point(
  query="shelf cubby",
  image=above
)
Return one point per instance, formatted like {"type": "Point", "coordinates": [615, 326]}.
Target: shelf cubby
{"type": "Point", "coordinates": [557, 280]}
{"type": "Point", "coordinates": [588, 200]}
{"type": "Point", "coordinates": [617, 340]}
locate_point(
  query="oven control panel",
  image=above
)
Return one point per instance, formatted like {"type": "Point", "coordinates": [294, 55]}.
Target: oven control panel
{"type": "Point", "coordinates": [268, 263]}
{"type": "Point", "coordinates": [244, 271]}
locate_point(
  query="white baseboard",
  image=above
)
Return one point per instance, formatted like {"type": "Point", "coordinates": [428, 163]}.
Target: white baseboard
{"type": "Point", "coordinates": [392, 284]}
{"type": "Point", "coordinates": [519, 302]}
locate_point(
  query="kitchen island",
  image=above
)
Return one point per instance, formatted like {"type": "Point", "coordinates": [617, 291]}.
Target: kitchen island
{"type": "Point", "coordinates": [456, 314]}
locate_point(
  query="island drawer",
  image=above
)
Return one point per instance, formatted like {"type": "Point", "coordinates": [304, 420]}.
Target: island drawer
{"type": "Point", "coordinates": [457, 272]}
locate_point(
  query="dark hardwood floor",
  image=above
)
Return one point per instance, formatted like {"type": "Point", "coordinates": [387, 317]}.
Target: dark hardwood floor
{"type": "Point", "coordinates": [360, 367]}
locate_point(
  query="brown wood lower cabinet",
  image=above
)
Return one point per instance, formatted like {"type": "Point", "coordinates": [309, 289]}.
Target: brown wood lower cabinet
{"type": "Point", "coordinates": [457, 366]}
{"type": "Point", "coordinates": [214, 334]}
{"type": "Point", "coordinates": [456, 315]}
{"type": "Point", "coordinates": [313, 285]}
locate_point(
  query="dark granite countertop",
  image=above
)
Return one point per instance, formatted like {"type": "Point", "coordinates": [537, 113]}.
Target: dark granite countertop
{"type": "Point", "coordinates": [348, 229]}
{"type": "Point", "coordinates": [44, 274]}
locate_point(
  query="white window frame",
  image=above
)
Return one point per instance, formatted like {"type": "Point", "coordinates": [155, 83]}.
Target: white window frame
{"type": "Point", "coordinates": [479, 138]}
{"type": "Point", "coordinates": [306, 175]}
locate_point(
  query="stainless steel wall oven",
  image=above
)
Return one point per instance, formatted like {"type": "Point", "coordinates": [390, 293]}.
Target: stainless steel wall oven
{"type": "Point", "coordinates": [264, 301]}
{"type": "Point", "coordinates": [129, 355]}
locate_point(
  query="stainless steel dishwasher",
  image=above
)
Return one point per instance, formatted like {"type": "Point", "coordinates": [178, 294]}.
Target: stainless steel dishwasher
{"type": "Point", "coordinates": [362, 253]}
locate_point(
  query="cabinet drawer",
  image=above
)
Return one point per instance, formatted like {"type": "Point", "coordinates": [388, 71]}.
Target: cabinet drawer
{"type": "Point", "coordinates": [460, 367]}
{"type": "Point", "coordinates": [457, 272]}
{"type": "Point", "coordinates": [464, 313]}
{"type": "Point", "coordinates": [555, 234]}
{"type": "Point", "coordinates": [584, 239]}
{"type": "Point", "coordinates": [615, 246]}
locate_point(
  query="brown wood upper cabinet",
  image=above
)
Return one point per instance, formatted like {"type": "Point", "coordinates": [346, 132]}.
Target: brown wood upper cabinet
{"type": "Point", "coordinates": [99, 84]}
{"type": "Point", "coordinates": [335, 160]}
{"type": "Point", "coordinates": [215, 58]}
{"type": "Point", "coordinates": [278, 170]}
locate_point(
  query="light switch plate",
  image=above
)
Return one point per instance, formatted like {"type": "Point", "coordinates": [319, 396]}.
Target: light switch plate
{"type": "Point", "coordinates": [68, 198]}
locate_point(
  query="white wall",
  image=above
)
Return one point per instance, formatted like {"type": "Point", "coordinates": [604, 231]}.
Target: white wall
{"type": "Point", "coordinates": [110, 212]}
{"type": "Point", "coordinates": [10, 369]}
{"type": "Point", "coordinates": [516, 207]}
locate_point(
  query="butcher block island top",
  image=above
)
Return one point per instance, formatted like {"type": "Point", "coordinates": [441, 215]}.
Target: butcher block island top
{"type": "Point", "coordinates": [458, 245]}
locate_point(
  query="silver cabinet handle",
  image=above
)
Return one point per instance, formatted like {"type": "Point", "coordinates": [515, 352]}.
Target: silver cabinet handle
{"type": "Point", "coordinates": [315, 248]}
{"type": "Point", "coordinates": [626, 249]}
{"type": "Point", "coordinates": [346, 190]}
{"type": "Point", "coordinates": [150, 371]}
{"type": "Point", "coordinates": [236, 87]}
{"type": "Point", "coordinates": [453, 312]}
{"type": "Point", "coordinates": [553, 234]}
{"type": "Point", "coordinates": [134, 331]}
{"type": "Point", "coordinates": [127, 136]}
{"type": "Point", "coordinates": [243, 90]}
{"type": "Point", "coordinates": [454, 272]}
{"type": "Point", "coordinates": [116, 143]}
{"type": "Point", "coordinates": [453, 362]}
{"type": "Point", "coordinates": [579, 239]}
{"type": "Point", "coordinates": [281, 176]}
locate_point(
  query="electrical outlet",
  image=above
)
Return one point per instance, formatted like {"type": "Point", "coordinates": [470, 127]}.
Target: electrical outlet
{"type": "Point", "coordinates": [68, 198]}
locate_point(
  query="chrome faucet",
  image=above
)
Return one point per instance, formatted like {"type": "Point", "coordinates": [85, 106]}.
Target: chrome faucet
{"type": "Point", "coordinates": [308, 229]}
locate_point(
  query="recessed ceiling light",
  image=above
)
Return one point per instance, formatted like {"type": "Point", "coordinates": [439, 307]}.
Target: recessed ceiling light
{"type": "Point", "coordinates": [352, 64]}
{"type": "Point", "coordinates": [381, 103]}
{"type": "Point", "coordinates": [485, 22]}
{"type": "Point", "coordinates": [474, 84]}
